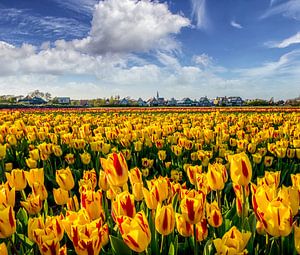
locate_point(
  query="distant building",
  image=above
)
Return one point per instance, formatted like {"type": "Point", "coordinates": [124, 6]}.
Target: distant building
{"type": "Point", "coordinates": [63, 100]}
{"type": "Point", "coordinates": [204, 101]}
{"type": "Point", "coordinates": [141, 102]}
{"type": "Point", "coordinates": [152, 102]}
{"type": "Point", "coordinates": [33, 100]}
{"type": "Point", "coordinates": [84, 102]}
{"type": "Point", "coordinates": [124, 102]}
{"type": "Point", "coordinates": [221, 101]}
{"type": "Point", "coordinates": [235, 101]}
{"type": "Point", "coordinates": [186, 102]}
{"type": "Point", "coordinates": [172, 102]}
{"type": "Point", "coordinates": [160, 100]}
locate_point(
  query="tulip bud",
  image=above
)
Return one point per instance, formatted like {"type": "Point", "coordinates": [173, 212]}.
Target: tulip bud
{"type": "Point", "coordinates": [70, 159]}
{"type": "Point", "coordinates": [2, 151]}
{"type": "Point", "coordinates": [103, 182]}
{"type": "Point", "coordinates": [162, 155]}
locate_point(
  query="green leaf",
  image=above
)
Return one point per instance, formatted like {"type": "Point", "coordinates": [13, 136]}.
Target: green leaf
{"type": "Point", "coordinates": [22, 216]}
{"type": "Point", "coordinates": [46, 208]}
{"type": "Point", "coordinates": [208, 248]}
{"type": "Point", "coordinates": [25, 240]}
{"type": "Point", "coordinates": [171, 249]}
{"type": "Point", "coordinates": [274, 248]}
{"type": "Point", "coordinates": [176, 245]}
{"type": "Point", "coordinates": [175, 201]}
{"type": "Point", "coordinates": [118, 246]}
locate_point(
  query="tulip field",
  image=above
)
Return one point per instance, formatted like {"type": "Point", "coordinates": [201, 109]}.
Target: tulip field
{"type": "Point", "coordinates": [150, 181]}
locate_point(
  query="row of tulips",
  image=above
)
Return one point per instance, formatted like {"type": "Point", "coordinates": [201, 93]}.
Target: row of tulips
{"type": "Point", "coordinates": [168, 183]}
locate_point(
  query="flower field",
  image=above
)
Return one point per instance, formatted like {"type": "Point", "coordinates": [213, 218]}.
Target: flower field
{"type": "Point", "coordinates": [152, 181]}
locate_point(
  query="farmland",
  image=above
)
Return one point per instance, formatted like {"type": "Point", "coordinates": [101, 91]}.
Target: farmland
{"type": "Point", "coordinates": [150, 180]}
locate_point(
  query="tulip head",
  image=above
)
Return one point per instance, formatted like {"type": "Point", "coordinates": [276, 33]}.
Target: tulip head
{"type": "Point", "coordinates": [164, 219]}
{"type": "Point", "coordinates": [240, 169]}
{"type": "Point", "coordinates": [216, 176]}
{"type": "Point", "coordinates": [64, 179]}
{"type": "Point", "coordinates": [16, 179]}
{"type": "Point", "coordinates": [116, 169]}
{"type": "Point", "coordinates": [214, 215]}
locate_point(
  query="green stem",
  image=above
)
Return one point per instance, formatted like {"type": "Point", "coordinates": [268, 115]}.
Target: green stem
{"type": "Point", "coordinates": [243, 208]}
{"type": "Point", "coordinates": [195, 240]}
{"type": "Point", "coordinates": [219, 198]}
{"type": "Point", "coordinates": [162, 243]}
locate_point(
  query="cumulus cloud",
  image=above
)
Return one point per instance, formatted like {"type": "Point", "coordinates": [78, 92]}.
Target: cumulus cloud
{"type": "Point", "coordinates": [235, 24]}
{"type": "Point", "coordinates": [132, 26]}
{"type": "Point", "coordinates": [199, 14]}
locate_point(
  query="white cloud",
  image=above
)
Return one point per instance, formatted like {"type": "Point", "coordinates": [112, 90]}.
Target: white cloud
{"type": "Point", "coordinates": [199, 14]}
{"type": "Point", "coordinates": [295, 39]}
{"type": "Point", "coordinates": [84, 7]}
{"type": "Point", "coordinates": [25, 24]}
{"type": "Point", "coordinates": [132, 26]}
{"type": "Point", "coordinates": [235, 24]}
{"type": "Point", "coordinates": [289, 9]}
{"type": "Point", "coordinates": [203, 60]}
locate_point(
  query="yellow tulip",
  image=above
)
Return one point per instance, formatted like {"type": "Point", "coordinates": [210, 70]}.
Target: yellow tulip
{"type": "Point", "coordinates": [270, 178]}
{"type": "Point", "coordinates": [57, 150]}
{"type": "Point", "coordinates": [61, 196]}
{"type": "Point", "coordinates": [232, 242]}
{"type": "Point", "coordinates": [115, 166]}
{"type": "Point", "coordinates": [64, 178]}
{"type": "Point", "coordinates": [92, 202]}
{"type": "Point", "coordinates": [123, 205]}
{"type": "Point", "coordinates": [162, 155]}
{"type": "Point", "coordinates": [135, 176]}
{"type": "Point", "coordinates": [85, 158]}
{"type": "Point", "coordinates": [214, 215]}
{"type": "Point", "coordinates": [192, 171]}
{"type": "Point", "coordinates": [103, 182]}
{"type": "Point", "coordinates": [35, 175]}
{"type": "Point", "coordinates": [8, 222]}
{"type": "Point", "coordinates": [184, 228]}
{"type": "Point", "coordinates": [192, 209]}
{"type": "Point", "coordinates": [16, 179]}
{"type": "Point", "coordinates": [201, 230]}
{"type": "Point", "coordinates": [31, 163]}
{"type": "Point", "coordinates": [73, 204]}
{"type": "Point", "coordinates": [268, 161]}
{"type": "Point", "coordinates": [33, 224]}
{"type": "Point", "coordinates": [70, 158]}
{"type": "Point", "coordinates": [135, 231]}
{"type": "Point", "coordinates": [240, 169]}
{"type": "Point", "coordinates": [257, 158]}
{"type": "Point", "coordinates": [277, 219]}
{"type": "Point", "coordinates": [39, 189]}
{"type": "Point", "coordinates": [3, 249]}
{"type": "Point", "coordinates": [34, 154]}
{"type": "Point", "coordinates": [33, 204]}
{"type": "Point", "coordinates": [137, 191]}
{"type": "Point", "coordinates": [216, 176]}
{"type": "Point", "coordinates": [90, 177]}
{"type": "Point", "coordinates": [2, 151]}
{"type": "Point", "coordinates": [7, 196]}
{"type": "Point", "coordinates": [164, 219]}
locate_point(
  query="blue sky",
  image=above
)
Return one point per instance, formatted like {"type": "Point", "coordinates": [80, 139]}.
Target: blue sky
{"type": "Point", "coordinates": [182, 48]}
